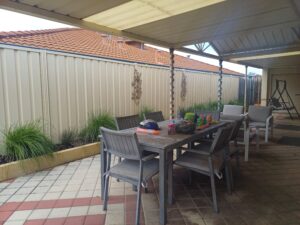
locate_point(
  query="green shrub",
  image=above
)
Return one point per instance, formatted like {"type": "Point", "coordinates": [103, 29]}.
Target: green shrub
{"type": "Point", "coordinates": [69, 137]}
{"type": "Point", "coordinates": [26, 141]}
{"type": "Point", "coordinates": [209, 106]}
{"type": "Point", "coordinates": [143, 111]}
{"type": "Point", "coordinates": [236, 102]}
{"type": "Point", "coordinates": [90, 133]}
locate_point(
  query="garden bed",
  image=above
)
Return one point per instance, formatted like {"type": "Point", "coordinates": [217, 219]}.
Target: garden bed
{"type": "Point", "coordinates": [19, 168]}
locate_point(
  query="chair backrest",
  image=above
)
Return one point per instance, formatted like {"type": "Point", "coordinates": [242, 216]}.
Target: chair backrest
{"type": "Point", "coordinates": [156, 116]}
{"type": "Point", "coordinates": [126, 122]}
{"type": "Point", "coordinates": [122, 144]}
{"type": "Point", "coordinates": [237, 123]}
{"type": "Point", "coordinates": [222, 138]}
{"type": "Point", "coordinates": [235, 110]}
{"type": "Point", "coordinates": [259, 113]}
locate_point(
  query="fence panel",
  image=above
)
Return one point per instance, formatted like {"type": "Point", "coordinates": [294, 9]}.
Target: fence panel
{"type": "Point", "coordinates": [62, 90]}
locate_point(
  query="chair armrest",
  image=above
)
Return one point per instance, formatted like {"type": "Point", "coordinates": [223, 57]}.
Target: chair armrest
{"type": "Point", "coordinates": [148, 157]}
{"type": "Point", "coordinates": [198, 152]}
{"type": "Point", "coordinates": [244, 114]}
{"type": "Point", "coordinates": [269, 121]}
{"type": "Point", "coordinates": [100, 136]}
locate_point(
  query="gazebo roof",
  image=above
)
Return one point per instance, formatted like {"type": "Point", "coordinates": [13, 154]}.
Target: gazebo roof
{"type": "Point", "coordinates": [238, 30]}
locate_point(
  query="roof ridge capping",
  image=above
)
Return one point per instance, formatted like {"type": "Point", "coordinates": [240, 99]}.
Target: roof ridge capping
{"type": "Point", "coordinates": [10, 34]}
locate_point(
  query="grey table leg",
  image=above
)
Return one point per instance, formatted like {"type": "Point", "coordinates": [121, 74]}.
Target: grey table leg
{"type": "Point", "coordinates": [170, 177]}
{"type": "Point", "coordinates": [103, 169]}
{"type": "Point", "coordinates": [162, 188]}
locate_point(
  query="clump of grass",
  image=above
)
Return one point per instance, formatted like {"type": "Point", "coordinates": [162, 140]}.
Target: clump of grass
{"type": "Point", "coordinates": [69, 137]}
{"type": "Point", "coordinates": [144, 110]}
{"type": "Point", "coordinates": [90, 133]}
{"type": "Point", "coordinates": [236, 102]}
{"type": "Point", "coordinates": [26, 141]}
{"type": "Point", "coordinates": [209, 106]}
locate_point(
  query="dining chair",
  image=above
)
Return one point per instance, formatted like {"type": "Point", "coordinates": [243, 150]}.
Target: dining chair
{"type": "Point", "coordinates": [210, 159]}
{"type": "Point", "coordinates": [234, 110]}
{"type": "Point", "coordinates": [156, 116]}
{"type": "Point", "coordinates": [126, 122]}
{"type": "Point", "coordinates": [134, 168]}
{"type": "Point", "coordinates": [260, 118]}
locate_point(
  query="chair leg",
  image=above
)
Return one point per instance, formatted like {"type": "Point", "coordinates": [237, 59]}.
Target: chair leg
{"type": "Point", "coordinates": [228, 177]}
{"type": "Point", "coordinates": [267, 134]}
{"type": "Point", "coordinates": [257, 138]}
{"type": "Point", "coordinates": [119, 160]}
{"type": "Point", "coordinates": [246, 141]}
{"type": "Point", "coordinates": [237, 158]}
{"type": "Point", "coordinates": [138, 206]}
{"type": "Point", "coordinates": [213, 186]}
{"type": "Point", "coordinates": [106, 192]}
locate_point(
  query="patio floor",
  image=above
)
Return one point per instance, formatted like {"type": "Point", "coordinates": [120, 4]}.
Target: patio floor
{"type": "Point", "coordinates": [267, 192]}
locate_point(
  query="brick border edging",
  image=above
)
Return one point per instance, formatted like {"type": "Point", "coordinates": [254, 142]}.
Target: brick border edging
{"type": "Point", "coordinates": [27, 166]}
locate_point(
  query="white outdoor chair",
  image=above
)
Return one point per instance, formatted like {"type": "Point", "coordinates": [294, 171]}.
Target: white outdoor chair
{"type": "Point", "coordinates": [260, 118]}
{"type": "Point", "coordinates": [234, 110]}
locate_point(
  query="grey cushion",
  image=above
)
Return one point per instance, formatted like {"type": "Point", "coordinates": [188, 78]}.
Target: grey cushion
{"type": "Point", "coordinates": [259, 113]}
{"type": "Point", "coordinates": [226, 117]}
{"type": "Point", "coordinates": [199, 162]}
{"type": "Point", "coordinates": [233, 110]}
{"type": "Point", "coordinates": [129, 169]}
{"type": "Point", "coordinates": [257, 124]}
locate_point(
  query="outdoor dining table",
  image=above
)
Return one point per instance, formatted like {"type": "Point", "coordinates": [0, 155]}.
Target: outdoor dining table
{"type": "Point", "coordinates": [163, 144]}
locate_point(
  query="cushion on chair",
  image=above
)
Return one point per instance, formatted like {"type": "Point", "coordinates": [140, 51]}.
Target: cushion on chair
{"type": "Point", "coordinates": [259, 113]}
{"type": "Point", "coordinates": [226, 117]}
{"type": "Point", "coordinates": [129, 169]}
{"type": "Point", "coordinates": [257, 124]}
{"type": "Point", "coordinates": [233, 110]}
{"type": "Point", "coordinates": [199, 162]}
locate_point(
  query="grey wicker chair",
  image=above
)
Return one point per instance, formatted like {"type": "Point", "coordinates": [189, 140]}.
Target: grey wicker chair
{"type": "Point", "coordinates": [210, 160]}
{"type": "Point", "coordinates": [126, 122]}
{"type": "Point", "coordinates": [156, 116]}
{"type": "Point", "coordinates": [134, 168]}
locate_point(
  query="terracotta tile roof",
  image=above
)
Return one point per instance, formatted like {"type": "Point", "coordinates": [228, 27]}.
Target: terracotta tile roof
{"type": "Point", "coordinates": [93, 43]}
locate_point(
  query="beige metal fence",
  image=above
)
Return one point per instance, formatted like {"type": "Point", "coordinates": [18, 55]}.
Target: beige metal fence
{"type": "Point", "coordinates": [62, 89]}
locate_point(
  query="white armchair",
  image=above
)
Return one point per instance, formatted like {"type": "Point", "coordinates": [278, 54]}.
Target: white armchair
{"type": "Point", "coordinates": [260, 118]}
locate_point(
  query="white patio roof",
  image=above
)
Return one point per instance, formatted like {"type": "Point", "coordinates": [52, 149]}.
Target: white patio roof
{"type": "Point", "coordinates": [253, 32]}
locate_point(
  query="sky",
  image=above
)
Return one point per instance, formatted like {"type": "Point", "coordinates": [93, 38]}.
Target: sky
{"type": "Point", "coordinates": [20, 22]}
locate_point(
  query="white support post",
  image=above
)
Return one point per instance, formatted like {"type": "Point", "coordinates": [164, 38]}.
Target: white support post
{"type": "Point", "coordinates": [172, 79]}
{"type": "Point", "coordinates": [245, 92]}
{"type": "Point", "coordinates": [220, 84]}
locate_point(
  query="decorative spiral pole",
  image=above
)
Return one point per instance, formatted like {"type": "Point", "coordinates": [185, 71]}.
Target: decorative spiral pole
{"type": "Point", "coordinates": [245, 91]}
{"type": "Point", "coordinates": [172, 79]}
{"type": "Point", "coordinates": [220, 84]}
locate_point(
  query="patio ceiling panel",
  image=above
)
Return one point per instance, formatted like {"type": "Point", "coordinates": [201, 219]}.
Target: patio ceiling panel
{"type": "Point", "coordinates": [268, 39]}
{"type": "Point", "coordinates": [276, 62]}
{"type": "Point", "coordinates": [75, 8]}
{"type": "Point", "coordinates": [236, 28]}
{"type": "Point", "coordinates": [218, 21]}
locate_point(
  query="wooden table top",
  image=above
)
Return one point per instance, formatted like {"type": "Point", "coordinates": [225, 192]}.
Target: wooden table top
{"type": "Point", "coordinates": [166, 141]}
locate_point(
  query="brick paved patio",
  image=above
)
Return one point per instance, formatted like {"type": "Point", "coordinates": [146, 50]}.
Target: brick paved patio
{"type": "Point", "coordinates": [267, 192]}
